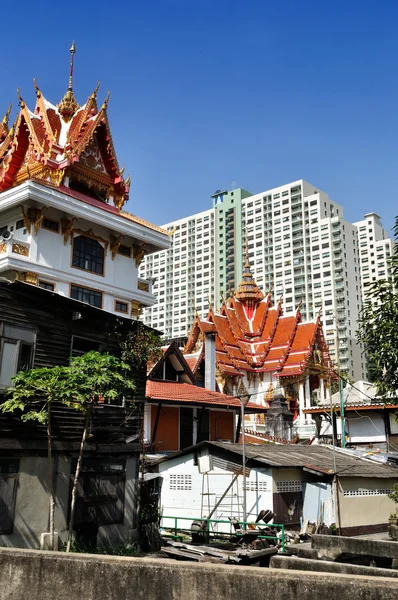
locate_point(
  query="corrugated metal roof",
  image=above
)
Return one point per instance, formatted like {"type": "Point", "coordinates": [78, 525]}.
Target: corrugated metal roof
{"type": "Point", "coordinates": [318, 458]}
{"type": "Point", "coordinates": [362, 393]}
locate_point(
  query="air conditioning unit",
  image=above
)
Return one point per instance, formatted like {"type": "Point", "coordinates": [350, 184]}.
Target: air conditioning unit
{"type": "Point", "coordinates": [6, 236]}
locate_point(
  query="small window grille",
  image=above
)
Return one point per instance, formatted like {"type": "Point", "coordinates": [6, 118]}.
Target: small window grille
{"type": "Point", "coordinates": [256, 486]}
{"type": "Point", "coordinates": [181, 482]}
{"type": "Point", "coordinates": [351, 493]}
{"type": "Point", "coordinates": [288, 486]}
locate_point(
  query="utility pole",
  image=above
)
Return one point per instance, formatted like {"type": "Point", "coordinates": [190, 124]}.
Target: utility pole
{"type": "Point", "coordinates": [243, 401]}
{"type": "Point", "coordinates": [341, 389]}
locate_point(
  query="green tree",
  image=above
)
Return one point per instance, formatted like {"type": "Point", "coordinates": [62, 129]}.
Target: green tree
{"type": "Point", "coordinates": [139, 345]}
{"type": "Point", "coordinates": [33, 393]}
{"type": "Point", "coordinates": [378, 329]}
{"type": "Point", "coordinates": [88, 379]}
{"type": "Point", "coordinates": [93, 378]}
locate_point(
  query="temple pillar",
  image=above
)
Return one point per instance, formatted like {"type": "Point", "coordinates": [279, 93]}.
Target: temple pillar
{"type": "Point", "coordinates": [210, 361]}
{"type": "Point", "coordinates": [147, 422]}
{"type": "Point", "coordinates": [307, 393]}
{"type": "Point", "coordinates": [301, 402]}
{"type": "Point", "coordinates": [322, 389]}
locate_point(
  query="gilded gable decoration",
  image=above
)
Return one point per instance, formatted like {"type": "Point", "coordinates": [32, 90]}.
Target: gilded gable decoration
{"type": "Point", "coordinates": [114, 244]}
{"type": "Point", "coordinates": [67, 226]}
{"type": "Point", "coordinates": [33, 216]}
{"type": "Point", "coordinates": [138, 254]}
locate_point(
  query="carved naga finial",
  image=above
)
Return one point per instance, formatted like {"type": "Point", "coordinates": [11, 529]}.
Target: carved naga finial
{"type": "Point", "coordinates": [21, 101]}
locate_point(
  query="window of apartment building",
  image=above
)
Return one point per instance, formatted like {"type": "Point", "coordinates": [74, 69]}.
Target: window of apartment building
{"type": "Point", "coordinates": [9, 468]}
{"type": "Point", "coordinates": [86, 295]}
{"type": "Point", "coordinates": [16, 351]}
{"type": "Point", "coordinates": [88, 254]}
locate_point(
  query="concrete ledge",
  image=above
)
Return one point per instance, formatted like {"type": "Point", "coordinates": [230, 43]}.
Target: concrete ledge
{"type": "Point", "coordinates": [331, 546]}
{"type": "Point", "coordinates": [40, 575]}
{"type": "Point", "coordinates": [325, 566]}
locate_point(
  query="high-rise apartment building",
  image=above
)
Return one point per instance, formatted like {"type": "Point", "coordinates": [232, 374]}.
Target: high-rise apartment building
{"type": "Point", "coordinates": [299, 244]}
{"type": "Point", "coordinates": [183, 276]}
{"type": "Point", "coordinates": [375, 248]}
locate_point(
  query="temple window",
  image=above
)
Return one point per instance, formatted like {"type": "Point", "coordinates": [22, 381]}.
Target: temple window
{"type": "Point", "coordinates": [88, 254]}
{"type": "Point", "coordinates": [86, 295]}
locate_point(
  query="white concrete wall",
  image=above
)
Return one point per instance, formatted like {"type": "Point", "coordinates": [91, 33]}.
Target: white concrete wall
{"type": "Point", "coordinates": [188, 502]}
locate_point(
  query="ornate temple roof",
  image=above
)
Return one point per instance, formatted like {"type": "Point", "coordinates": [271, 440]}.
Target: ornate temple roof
{"type": "Point", "coordinates": [254, 336]}
{"type": "Point", "coordinates": [67, 144]}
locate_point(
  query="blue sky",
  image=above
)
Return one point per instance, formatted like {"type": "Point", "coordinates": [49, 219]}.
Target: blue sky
{"type": "Point", "coordinates": [207, 93]}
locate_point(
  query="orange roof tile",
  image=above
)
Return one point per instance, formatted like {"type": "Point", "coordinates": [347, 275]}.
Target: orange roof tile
{"type": "Point", "coordinates": [180, 393]}
{"type": "Point", "coordinates": [253, 336]}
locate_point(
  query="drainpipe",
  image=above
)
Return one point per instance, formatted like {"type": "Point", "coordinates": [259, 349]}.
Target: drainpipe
{"type": "Point", "coordinates": [336, 487]}
{"type": "Point", "coordinates": [341, 390]}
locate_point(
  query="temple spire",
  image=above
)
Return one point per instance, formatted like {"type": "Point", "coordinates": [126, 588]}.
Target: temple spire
{"type": "Point", "coordinates": [68, 105]}
{"type": "Point", "coordinates": [248, 291]}
{"type": "Point", "coordinates": [72, 51]}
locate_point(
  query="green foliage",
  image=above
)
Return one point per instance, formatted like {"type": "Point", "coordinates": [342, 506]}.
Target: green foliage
{"type": "Point", "coordinates": [393, 495]}
{"type": "Point", "coordinates": [139, 345]}
{"type": "Point", "coordinates": [87, 379]}
{"type": "Point", "coordinates": [33, 391]}
{"type": "Point", "coordinates": [378, 329]}
{"type": "Point", "coordinates": [121, 549]}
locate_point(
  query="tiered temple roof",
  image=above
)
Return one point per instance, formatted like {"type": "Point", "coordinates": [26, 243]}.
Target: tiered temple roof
{"type": "Point", "coordinates": [64, 143]}
{"type": "Point", "coordinates": [254, 336]}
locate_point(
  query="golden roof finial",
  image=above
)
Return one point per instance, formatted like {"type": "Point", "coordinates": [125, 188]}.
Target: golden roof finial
{"type": "Point", "coordinates": [68, 105]}
{"type": "Point", "coordinates": [121, 171]}
{"type": "Point", "coordinates": [128, 181]}
{"type": "Point", "coordinates": [195, 309]}
{"type": "Point", "coordinates": [38, 92]}
{"type": "Point", "coordinates": [7, 115]}
{"type": "Point", "coordinates": [300, 304]}
{"type": "Point", "coordinates": [95, 92]}
{"type": "Point", "coordinates": [21, 102]}
{"type": "Point", "coordinates": [105, 104]}
{"type": "Point", "coordinates": [209, 301]}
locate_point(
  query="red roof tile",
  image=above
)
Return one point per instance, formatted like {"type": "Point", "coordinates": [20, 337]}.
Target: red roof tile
{"type": "Point", "coordinates": [181, 393]}
{"type": "Point", "coordinates": [253, 336]}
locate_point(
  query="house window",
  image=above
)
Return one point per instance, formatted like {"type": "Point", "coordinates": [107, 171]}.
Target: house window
{"type": "Point", "coordinates": [100, 493]}
{"type": "Point", "coordinates": [86, 295]}
{"type": "Point", "coordinates": [17, 344]}
{"type": "Point", "coordinates": [46, 285]}
{"type": "Point", "coordinates": [51, 225]}
{"type": "Point", "coordinates": [8, 488]}
{"type": "Point", "coordinates": [121, 306]}
{"type": "Point", "coordinates": [83, 345]}
{"type": "Point", "coordinates": [125, 250]}
{"type": "Point", "coordinates": [88, 254]}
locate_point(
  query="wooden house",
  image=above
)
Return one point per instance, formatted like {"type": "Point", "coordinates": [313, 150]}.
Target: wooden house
{"type": "Point", "coordinates": [40, 328]}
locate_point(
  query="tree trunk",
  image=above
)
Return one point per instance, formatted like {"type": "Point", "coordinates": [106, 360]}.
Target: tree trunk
{"type": "Point", "coordinates": [76, 478]}
{"type": "Point", "coordinates": [50, 477]}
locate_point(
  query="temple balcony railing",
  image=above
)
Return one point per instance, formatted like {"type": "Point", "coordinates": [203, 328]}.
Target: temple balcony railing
{"type": "Point", "coordinates": [14, 248]}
